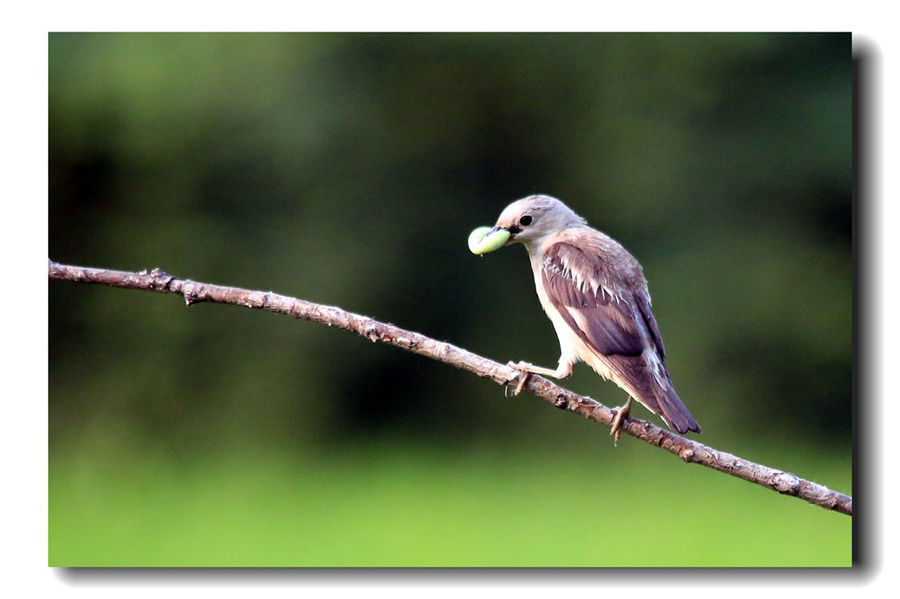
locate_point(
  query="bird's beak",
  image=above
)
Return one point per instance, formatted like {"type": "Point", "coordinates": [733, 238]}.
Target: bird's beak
{"type": "Point", "coordinates": [512, 232]}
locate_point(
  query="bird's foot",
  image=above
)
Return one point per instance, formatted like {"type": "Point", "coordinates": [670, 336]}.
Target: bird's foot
{"type": "Point", "coordinates": [622, 413]}
{"type": "Point", "coordinates": [522, 378]}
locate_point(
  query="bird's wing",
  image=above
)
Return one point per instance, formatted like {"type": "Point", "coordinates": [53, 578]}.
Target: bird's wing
{"type": "Point", "coordinates": [596, 301]}
{"type": "Point", "coordinates": [642, 301]}
{"type": "Point", "coordinates": [599, 290]}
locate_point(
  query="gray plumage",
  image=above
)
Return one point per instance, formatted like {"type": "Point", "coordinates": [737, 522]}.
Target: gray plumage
{"type": "Point", "coordinates": [596, 296]}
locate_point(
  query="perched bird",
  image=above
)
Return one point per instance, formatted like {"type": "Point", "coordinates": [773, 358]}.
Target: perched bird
{"type": "Point", "coordinates": [596, 296]}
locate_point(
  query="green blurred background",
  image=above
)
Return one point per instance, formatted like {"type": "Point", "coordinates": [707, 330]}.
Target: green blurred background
{"type": "Point", "coordinates": [348, 170]}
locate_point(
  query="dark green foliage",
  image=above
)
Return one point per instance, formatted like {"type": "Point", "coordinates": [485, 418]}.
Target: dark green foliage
{"type": "Point", "coordinates": [349, 169]}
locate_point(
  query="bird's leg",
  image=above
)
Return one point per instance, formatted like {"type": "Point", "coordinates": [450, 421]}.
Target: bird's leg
{"type": "Point", "coordinates": [525, 368]}
{"type": "Point", "coordinates": [622, 412]}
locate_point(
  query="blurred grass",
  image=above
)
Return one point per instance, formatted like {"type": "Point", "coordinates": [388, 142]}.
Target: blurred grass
{"type": "Point", "coordinates": [408, 505]}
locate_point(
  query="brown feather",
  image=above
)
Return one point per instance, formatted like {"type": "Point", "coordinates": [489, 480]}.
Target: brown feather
{"type": "Point", "coordinates": [600, 291]}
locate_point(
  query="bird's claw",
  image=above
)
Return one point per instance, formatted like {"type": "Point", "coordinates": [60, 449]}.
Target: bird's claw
{"type": "Point", "coordinates": [622, 413]}
{"type": "Point", "coordinates": [522, 379]}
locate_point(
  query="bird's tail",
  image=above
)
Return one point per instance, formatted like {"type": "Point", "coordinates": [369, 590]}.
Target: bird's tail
{"type": "Point", "coordinates": [674, 412]}
{"type": "Point", "coordinates": [645, 378]}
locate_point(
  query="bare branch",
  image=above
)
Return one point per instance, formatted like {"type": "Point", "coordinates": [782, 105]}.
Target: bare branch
{"type": "Point", "coordinates": [687, 449]}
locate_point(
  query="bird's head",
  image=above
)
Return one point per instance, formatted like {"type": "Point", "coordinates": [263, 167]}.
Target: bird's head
{"type": "Point", "coordinates": [531, 219]}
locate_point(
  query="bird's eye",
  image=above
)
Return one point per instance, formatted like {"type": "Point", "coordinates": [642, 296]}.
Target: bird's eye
{"type": "Point", "coordinates": [525, 220]}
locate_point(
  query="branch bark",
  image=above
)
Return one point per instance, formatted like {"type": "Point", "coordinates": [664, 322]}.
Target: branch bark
{"type": "Point", "coordinates": [687, 449]}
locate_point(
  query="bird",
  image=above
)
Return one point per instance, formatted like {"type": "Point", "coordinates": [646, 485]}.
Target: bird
{"type": "Point", "coordinates": [596, 296]}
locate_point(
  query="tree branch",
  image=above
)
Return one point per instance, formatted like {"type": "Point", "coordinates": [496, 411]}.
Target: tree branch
{"type": "Point", "coordinates": [687, 449]}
